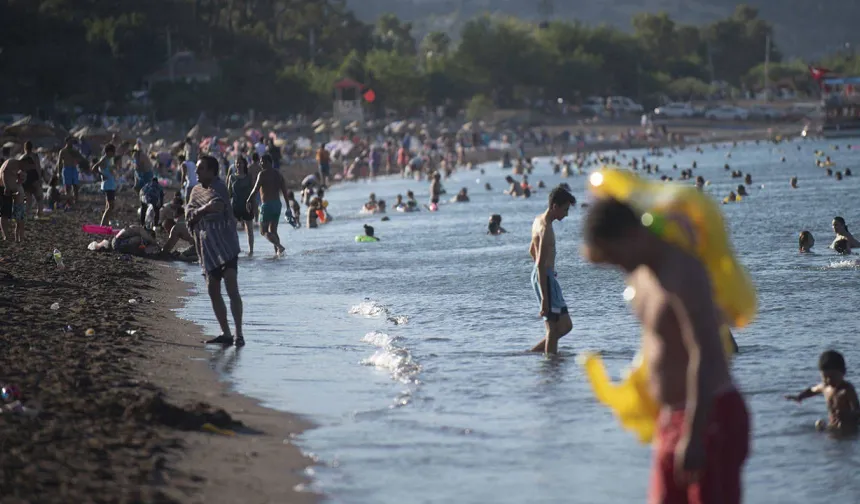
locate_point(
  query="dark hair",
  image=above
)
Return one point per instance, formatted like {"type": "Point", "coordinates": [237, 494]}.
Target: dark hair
{"type": "Point", "coordinates": [608, 219]}
{"type": "Point", "coordinates": [28, 145]}
{"type": "Point", "coordinates": [255, 157]}
{"type": "Point", "coordinates": [831, 360]}
{"type": "Point", "coordinates": [181, 158]}
{"type": "Point", "coordinates": [496, 218]}
{"type": "Point", "coordinates": [55, 180]}
{"type": "Point", "coordinates": [368, 230]}
{"type": "Point", "coordinates": [70, 139]}
{"type": "Point", "coordinates": [209, 163]}
{"type": "Point", "coordinates": [841, 246]}
{"type": "Point", "coordinates": [109, 148]}
{"type": "Point", "coordinates": [560, 196]}
{"type": "Point", "coordinates": [841, 221]}
{"type": "Point", "coordinates": [804, 237]}
{"type": "Point", "coordinates": [267, 158]}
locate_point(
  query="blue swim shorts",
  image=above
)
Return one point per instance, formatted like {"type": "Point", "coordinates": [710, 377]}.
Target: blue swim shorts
{"type": "Point", "coordinates": [557, 305]}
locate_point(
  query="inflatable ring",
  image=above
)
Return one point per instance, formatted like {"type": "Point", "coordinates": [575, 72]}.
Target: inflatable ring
{"type": "Point", "coordinates": [692, 221]}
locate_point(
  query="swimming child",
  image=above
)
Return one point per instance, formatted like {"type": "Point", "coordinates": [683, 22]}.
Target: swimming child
{"type": "Point", "coordinates": [411, 202]}
{"type": "Point", "coordinates": [368, 234]}
{"type": "Point", "coordinates": [805, 241]}
{"type": "Point", "coordinates": [494, 227]}
{"type": "Point", "coordinates": [843, 407]}
{"type": "Point", "coordinates": [461, 197]}
{"type": "Point", "coordinates": [841, 246]}
{"type": "Point", "coordinates": [371, 204]}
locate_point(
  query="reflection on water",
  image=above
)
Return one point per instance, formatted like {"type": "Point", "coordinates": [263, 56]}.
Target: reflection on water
{"type": "Point", "coordinates": [410, 353]}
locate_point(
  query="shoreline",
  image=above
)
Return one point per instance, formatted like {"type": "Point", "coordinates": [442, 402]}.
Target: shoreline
{"type": "Point", "coordinates": [261, 465]}
{"type": "Point", "coordinates": [119, 390]}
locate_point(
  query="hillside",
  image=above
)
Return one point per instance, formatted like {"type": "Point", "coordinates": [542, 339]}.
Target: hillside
{"type": "Point", "coordinates": [806, 29]}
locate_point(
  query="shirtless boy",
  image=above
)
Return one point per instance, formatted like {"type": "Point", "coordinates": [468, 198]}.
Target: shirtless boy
{"type": "Point", "coordinates": [553, 309]}
{"type": "Point", "coordinates": [271, 185]}
{"type": "Point", "coordinates": [435, 188]}
{"type": "Point", "coordinates": [67, 164]}
{"type": "Point", "coordinates": [702, 437]}
{"type": "Point", "coordinates": [175, 231]}
{"type": "Point", "coordinates": [33, 177]}
{"type": "Point", "coordinates": [843, 407]}
{"type": "Point", "coordinates": [12, 198]}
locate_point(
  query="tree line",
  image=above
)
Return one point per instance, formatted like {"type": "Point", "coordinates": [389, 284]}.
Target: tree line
{"type": "Point", "coordinates": [282, 56]}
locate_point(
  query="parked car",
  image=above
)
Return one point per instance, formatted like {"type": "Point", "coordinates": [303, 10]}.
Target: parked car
{"type": "Point", "coordinates": [675, 110]}
{"type": "Point", "coordinates": [594, 105]}
{"type": "Point", "coordinates": [765, 112]}
{"type": "Point", "coordinates": [727, 113]}
{"type": "Point", "coordinates": [623, 105]}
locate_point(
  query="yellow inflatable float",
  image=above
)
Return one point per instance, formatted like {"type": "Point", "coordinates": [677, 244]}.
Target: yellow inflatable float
{"type": "Point", "coordinates": [685, 217]}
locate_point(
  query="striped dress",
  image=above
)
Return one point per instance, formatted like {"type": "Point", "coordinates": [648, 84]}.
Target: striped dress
{"type": "Point", "coordinates": [215, 235]}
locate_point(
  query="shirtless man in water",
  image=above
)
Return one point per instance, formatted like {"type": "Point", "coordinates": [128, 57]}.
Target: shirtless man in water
{"type": "Point", "coordinates": [553, 309]}
{"type": "Point", "coordinates": [702, 437]}
{"type": "Point", "coordinates": [271, 185]}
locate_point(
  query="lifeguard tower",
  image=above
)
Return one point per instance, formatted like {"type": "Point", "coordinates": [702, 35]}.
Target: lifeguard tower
{"type": "Point", "coordinates": [348, 101]}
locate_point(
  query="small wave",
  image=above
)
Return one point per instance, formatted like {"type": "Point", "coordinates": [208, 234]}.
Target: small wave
{"type": "Point", "coordinates": [844, 263]}
{"type": "Point", "coordinates": [396, 360]}
{"type": "Point", "coordinates": [398, 319]}
{"type": "Point", "coordinates": [379, 339]}
{"type": "Point", "coordinates": [391, 357]}
{"type": "Point", "coordinates": [369, 308]}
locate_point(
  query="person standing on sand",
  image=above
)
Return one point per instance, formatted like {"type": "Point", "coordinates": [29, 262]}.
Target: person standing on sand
{"type": "Point", "coordinates": [12, 198]}
{"type": "Point", "coordinates": [33, 177]}
{"type": "Point", "coordinates": [553, 308]}
{"type": "Point", "coordinates": [67, 165]}
{"type": "Point", "coordinates": [188, 174]}
{"type": "Point", "coordinates": [270, 185]}
{"type": "Point", "coordinates": [702, 438]}
{"type": "Point", "coordinates": [105, 168]}
{"type": "Point", "coordinates": [210, 219]}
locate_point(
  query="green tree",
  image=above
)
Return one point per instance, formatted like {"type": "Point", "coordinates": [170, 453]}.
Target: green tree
{"type": "Point", "coordinates": [480, 107]}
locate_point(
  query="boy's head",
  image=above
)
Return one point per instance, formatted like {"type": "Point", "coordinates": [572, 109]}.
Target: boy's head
{"type": "Point", "coordinates": [560, 201]}
{"type": "Point", "coordinates": [368, 230]}
{"type": "Point", "coordinates": [832, 367]}
{"type": "Point", "coordinates": [614, 234]}
{"type": "Point", "coordinates": [805, 241]}
{"type": "Point", "coordinates": [841, 246]}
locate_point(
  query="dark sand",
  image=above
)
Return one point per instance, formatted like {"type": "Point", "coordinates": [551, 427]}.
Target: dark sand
{"type": "Point", "coordinates": [120, 414]}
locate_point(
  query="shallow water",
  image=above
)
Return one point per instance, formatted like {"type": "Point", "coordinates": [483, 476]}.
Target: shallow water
{"type": "Point", "coordinates": [410, 352]}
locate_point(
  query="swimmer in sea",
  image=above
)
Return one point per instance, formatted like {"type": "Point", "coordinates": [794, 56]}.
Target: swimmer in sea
{"type": "Point", "coordinates": [461, 197]}
{"type": "Point", "coordinates": [805, 241]}
{"type": "Point", "coordinates": [841, 246]}
{"type": "Point", "coordinates": [368, 233]}
{"type": "Point", "coordinates": [843, 407]}
{"type": "Point", "coordinates": [370, 206]}
{"type": "Point", "coordinates": [793, 182]}
{"type": "Point", "coordinates": [841, 230]}
{"type": "Point", "coordinates": [435, 188]}
{"type": "Point", "coordinates": [702, 438]}
{"type": "Point", "coordinates": [516, 189]}
{"type": "Point", "coordinates": [553, 308]}
{"type": "Point", "coordinates": [494, 227]}
{"type": "Point", "coordinates": [411, 202]}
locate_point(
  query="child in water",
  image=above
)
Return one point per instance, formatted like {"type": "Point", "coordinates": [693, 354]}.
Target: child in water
{"type": "Point", "coordinates": [841, 246]}
{"type": "Point", "coordinates": [843, 407]}
{"type": "Point", "coordinates": [805, 241]}
{"type": "Point", "coordinates": [494, 227]}
{"type": "Point", "coordinates": [368, 234]}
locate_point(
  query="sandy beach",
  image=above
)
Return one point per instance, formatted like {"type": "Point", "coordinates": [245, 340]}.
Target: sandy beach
{"type": "Point", "coordinates": [120, 413]}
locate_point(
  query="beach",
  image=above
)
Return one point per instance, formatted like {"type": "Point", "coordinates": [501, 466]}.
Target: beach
{"type": "Point", "coordinates": [120, 414]}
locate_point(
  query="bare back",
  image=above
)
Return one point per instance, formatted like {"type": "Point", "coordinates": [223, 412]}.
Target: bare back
{"type": "Point", "coordinates": [543, 236]}
{"type": "Point", "coordinates": [270, 182]}
{"type": "Point", "coordinates": [9, 174]}
{"type": "Point", "coordinates": [68, 157]}
{"type": "Point", "coordinates": [664, 301]}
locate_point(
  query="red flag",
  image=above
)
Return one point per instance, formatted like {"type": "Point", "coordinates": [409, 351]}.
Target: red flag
{"type": "Point", "coordinates": [818, 73]}
{"type": "Point", "coordinates": [370, 96]}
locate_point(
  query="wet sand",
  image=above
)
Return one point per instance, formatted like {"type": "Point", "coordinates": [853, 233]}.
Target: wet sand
{"type": "Point", "coordinates": [120, 412]}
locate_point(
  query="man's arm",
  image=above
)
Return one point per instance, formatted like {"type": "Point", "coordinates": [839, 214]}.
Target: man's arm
{"type": "Point", "coordinates": [696, 329]}
{"type": "Point", "coordinates": [806, 394]}
{"type": "Point", "coordinates": [254, 190]}
{"type": "Point", "coordinates": [542, 253]}
{"type": "Point", "coordinates": [171, 240]}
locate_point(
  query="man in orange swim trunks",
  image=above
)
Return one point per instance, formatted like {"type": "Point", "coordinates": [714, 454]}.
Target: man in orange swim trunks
{"type": "Point", "coordinates": [702, 438]}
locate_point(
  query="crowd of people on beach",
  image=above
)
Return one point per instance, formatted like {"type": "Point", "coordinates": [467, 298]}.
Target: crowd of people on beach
{"type": "Point", "coordinates": [703, 435]}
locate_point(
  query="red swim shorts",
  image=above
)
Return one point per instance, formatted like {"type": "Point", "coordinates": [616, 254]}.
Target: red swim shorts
{"type": "Point", "coordinates": [726, 449]}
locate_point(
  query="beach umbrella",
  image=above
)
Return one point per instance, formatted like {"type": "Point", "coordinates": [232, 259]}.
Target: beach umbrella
{"type": "Point", "coordinates": [92, 133]}
{"type": "Point", "coordinates": [9, 145]}
{"type": "Point", "coordinates": [354, 125]}
{"type": "Point", "coordinates": [320, 129]}
{"type": "Point", "coordinates": [318, 122]}
{"type": "Point", "coordinates": [310, 179]}
{"type": "Point", "coordinates": [31, 127]}
{"type": "Point", "coordinates": [267, 124]}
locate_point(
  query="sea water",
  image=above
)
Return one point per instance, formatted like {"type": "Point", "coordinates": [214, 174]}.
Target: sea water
{"type": "Point", "coordinates": [409, 353]}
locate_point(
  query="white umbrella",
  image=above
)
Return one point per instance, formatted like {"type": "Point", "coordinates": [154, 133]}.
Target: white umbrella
{"type": "Point", "coordinates": [310, 179]}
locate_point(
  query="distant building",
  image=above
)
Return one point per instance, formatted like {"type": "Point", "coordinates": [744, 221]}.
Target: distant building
{"type": "Point", "coordinates": [184, 67]}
